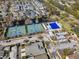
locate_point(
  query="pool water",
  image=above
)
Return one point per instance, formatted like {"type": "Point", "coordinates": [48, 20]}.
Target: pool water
{"type": "Point", "coordinates": [54, 25]}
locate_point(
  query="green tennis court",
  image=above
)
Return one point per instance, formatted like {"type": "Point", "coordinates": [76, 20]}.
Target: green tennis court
{"type": "Point", "coordinates": [34, 28]}
{"type": "Point", "coordinates": [16, 31]}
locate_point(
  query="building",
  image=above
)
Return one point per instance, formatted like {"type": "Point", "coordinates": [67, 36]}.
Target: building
{"type": "Point", "coordinates": [34, 50]}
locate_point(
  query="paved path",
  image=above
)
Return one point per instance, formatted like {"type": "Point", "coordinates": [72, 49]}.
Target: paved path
{"type": "Point", "coordinates": [22, 39]}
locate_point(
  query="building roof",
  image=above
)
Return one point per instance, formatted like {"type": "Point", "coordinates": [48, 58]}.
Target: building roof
{"type": "Point", "coordinates": [35, 49]}
{"type": "Point", "coordinates": [42, 56]}
{"type": "Point", "coordinates": [74, 56]}
{"type": "Point", "coordinates": [1, 51]}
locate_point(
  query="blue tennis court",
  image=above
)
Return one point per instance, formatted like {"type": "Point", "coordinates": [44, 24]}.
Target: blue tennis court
{"type": "Point", "coordinates": [16, 31]}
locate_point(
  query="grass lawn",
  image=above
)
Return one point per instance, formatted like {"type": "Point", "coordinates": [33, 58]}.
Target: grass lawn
{"type": "Point", "coordinates": [65, 26]}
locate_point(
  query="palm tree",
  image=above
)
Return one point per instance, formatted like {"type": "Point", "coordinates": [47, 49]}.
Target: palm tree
{"type": "Point", "coordinates": [65, 53]}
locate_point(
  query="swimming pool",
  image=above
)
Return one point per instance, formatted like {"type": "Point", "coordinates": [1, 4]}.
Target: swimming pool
{"type": "Point", "coordinates": [54, 26]}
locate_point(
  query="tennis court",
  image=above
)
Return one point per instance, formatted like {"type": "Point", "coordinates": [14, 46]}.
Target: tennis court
{"type": "Point", "coordinates": [23, 30]}
{"type": "Point", "coordinates": [16, 31]}
{"type": "Point", "coordinates": [34, 28]}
